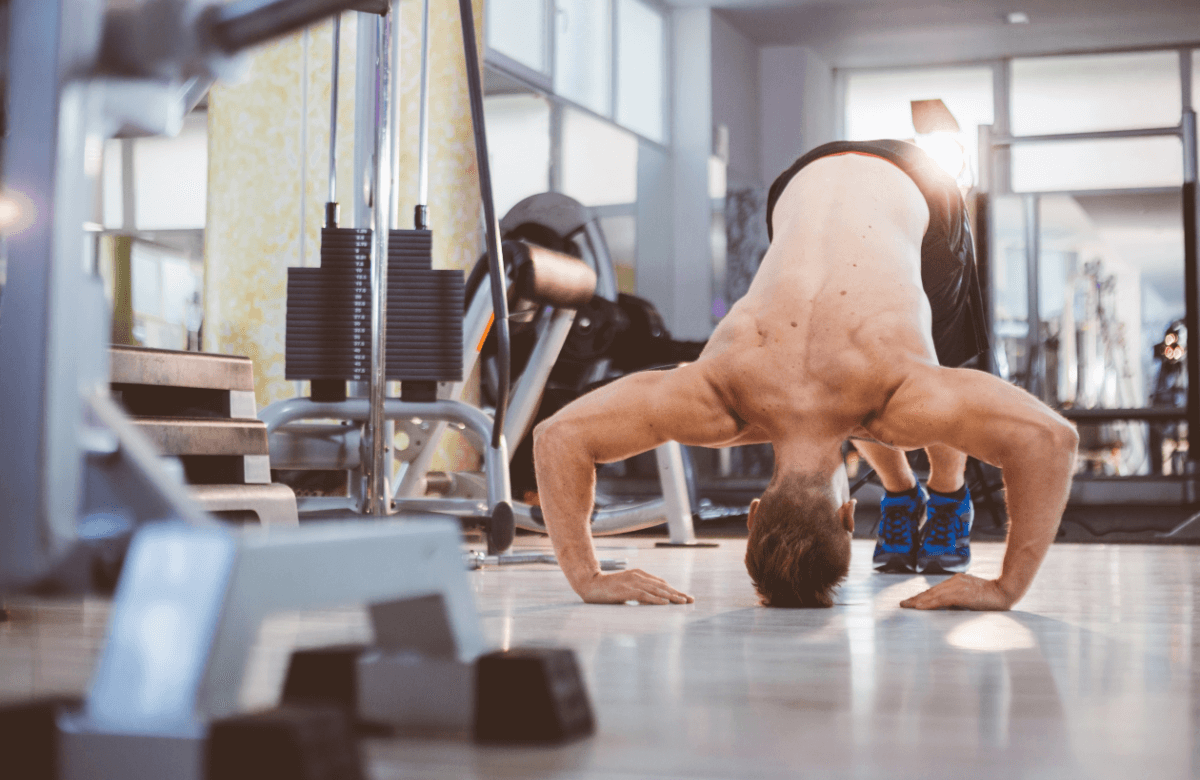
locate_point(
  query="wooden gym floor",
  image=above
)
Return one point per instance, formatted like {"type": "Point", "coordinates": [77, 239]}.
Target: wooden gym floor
{"type": "Point", "coordinates": [1093, 676]}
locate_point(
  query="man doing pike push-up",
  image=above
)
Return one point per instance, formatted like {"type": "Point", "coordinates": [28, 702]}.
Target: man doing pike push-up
{"type": "Point", "coordinates": [867, 293]}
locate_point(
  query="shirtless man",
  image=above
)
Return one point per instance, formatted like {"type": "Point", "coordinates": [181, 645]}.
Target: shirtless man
{"type": "Point", "coordinates": [835, 339]}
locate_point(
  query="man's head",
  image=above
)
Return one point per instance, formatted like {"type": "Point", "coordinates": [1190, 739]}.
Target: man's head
{"type": "Point", "coordinates": [799, 546]}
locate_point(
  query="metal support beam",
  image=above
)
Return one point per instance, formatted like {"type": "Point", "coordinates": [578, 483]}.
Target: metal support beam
{"type": "Point", "coordinates": [1034, 379]}
{"type": "Point", "coordinates": [378, 496]}
{"type": "Point", "coordinates": [1098, 135]}
{"type": "Point", "coordinates": [52, 321]}
{"type": "Point", "coordinates": [1191, 281]}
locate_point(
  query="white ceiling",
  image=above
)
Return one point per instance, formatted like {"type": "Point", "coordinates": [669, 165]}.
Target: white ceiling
{"type": "Point", "coordinates": [863, 33]}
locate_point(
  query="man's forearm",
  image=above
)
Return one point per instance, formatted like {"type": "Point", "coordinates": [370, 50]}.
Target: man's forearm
{"type": "Point", "coordinates": [566, 479]}
{"type": "Point", "coordinates": [1036, 488]}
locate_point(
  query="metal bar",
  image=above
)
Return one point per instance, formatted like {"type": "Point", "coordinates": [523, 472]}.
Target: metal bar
{"type": "Point", "coordinates": [1149, 414]}
{"type": "Point", "coordinates": [1099, 135]}
{"type": "Point", "coordinates": [243, 24]}
{"type": "Point", "coordinates": [1185, 79]}
{"type": "Point", "coordinates": [527, 395]}
{"type": "Point", "coordinates": [421, 221]}
{"type": "Point", "coordinates": [333, 107]}
{"type": "Point", "coordinates": [364, 134]}
{"type": "Point", "coordinates": [41, 317]}
{"type": "Point", "coordinates": [1001, 156]}
{"type": "Point", "coordinates": [606, 278]}
{"type": "Point", "coordinates": [495, 259]}
{"type": "Point", "coordinates": [1191, 279]}
{"type": "Point", "coordinates": [1033, 377]}
{"type": "Point", "coordinates": [378, 498]}
{"type": "Point", "coordinates": [394, 118]}
{"type": "Point", "coordinates": [1109, 192]}
{"type": "Point", "coordinates": [128, 201]}
{"type": "Point", "coordinates": [620, 519]}
{"type": "Point", "coordinates": [669, 457]}
{"type": "Point", "coordinates": [554, 175]}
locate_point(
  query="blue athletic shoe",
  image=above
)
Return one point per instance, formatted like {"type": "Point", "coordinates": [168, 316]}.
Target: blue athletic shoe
{"type": "Point", "coordinates": [946, 536]}
{"type": "Point", "coordinates": [896, 544]}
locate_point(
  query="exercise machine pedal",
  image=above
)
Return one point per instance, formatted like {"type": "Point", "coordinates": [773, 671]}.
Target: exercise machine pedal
{"type": "Point", "coordinates": [531, 695]}
{"type": "Point", "coordinates": [285, 743]}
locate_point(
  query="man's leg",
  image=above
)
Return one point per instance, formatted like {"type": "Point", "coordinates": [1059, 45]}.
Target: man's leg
{"type": "Point", "coordinates": [900, 512]}
{"type": "Point", "coordinates": [946, 468]}
{"type": "Point", "coordinates": [945, 540]}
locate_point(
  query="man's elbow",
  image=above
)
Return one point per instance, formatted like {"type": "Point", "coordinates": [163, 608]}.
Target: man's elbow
{"type": "Point", "coordinates": [1059, 437]}
{"type": "Point", "coordinates": [551, 440]}
{"type": "Point", "coordinates": [544, 435]}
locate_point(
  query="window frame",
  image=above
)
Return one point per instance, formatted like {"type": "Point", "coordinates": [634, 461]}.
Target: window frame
{"type": "Point", "coordinates": [543, 83]}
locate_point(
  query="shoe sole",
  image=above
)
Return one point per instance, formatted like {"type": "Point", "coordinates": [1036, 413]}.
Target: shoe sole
{"type": "Point", "coordinates": [896, 563]}
{"type": "Point", "coordinates": [936, 567]}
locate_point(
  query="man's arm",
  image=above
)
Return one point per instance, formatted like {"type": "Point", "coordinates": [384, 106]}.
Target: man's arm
{"type": "Point", "coordinates": [1006, 427]}
{"type": "Point", "coordinates": [632, 415]}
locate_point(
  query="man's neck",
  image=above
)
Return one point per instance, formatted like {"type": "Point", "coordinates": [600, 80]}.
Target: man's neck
{"type": "Point", "coordinates": [805, 455]}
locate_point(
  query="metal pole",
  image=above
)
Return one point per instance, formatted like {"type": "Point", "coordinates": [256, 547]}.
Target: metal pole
{"type": "Point", "coordinates": [1000, 163]}
{"type": "Point", "coordinates": [421, 217]}
{"type": "Point", "coordinates": [1191, 257]}
{"type": "Point", "coordinates": [495, 261]}
{"type": "Point", "coordinates": [378, 500]}
{"type": "Point", "coordinates": [394, 118]}
{"type": "Point", "coordinates": [1033, 339]}
{"type": "Point", "coordinates": [242, 24]}
{"type": "Point", "coordinates": [332, 217]}
{"type": "Point", "coordinates": [333, 106]}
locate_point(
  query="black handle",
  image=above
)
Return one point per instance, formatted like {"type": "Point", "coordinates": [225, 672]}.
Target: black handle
{"type": "Point", "coordinates": [245, 23]}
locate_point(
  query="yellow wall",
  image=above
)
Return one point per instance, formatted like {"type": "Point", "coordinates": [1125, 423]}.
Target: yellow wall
{"type": "Point", "coordinates": [270, 132]}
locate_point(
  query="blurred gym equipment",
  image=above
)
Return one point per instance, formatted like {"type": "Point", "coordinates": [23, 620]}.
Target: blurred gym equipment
{"type": "Point", "coordinates": [81, 477]}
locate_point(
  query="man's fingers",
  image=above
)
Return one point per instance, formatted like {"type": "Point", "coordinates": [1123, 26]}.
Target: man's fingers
{"type": "Point", "coordinates": [929, 599]}
{"type": "Point", "coordinates": [670, 594]}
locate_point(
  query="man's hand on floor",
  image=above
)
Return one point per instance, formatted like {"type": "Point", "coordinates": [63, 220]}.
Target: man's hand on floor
{"type": "Point", "coordinates": [962, 591]}
{"type": "Point", "coordinates": [633, 585]}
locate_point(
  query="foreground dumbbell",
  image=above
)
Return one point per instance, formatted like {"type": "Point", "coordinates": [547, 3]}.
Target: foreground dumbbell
{"type": "Point", "coordinates": [286, 743]}
{"type": "Point", "coordinates": [525, 695]}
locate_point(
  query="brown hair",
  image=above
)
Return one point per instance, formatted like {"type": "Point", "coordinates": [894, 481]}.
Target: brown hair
{"type": "Point", "coordinates": [798, 550]}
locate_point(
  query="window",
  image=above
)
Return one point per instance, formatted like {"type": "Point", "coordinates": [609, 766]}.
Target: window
{"type": "Point", "coordinates": [517, 29]}
{"type": "Point", "coordinates": [1095, 92]}
{"type": "Point", "coordinates": [1195, 79]}
{"type": "Point", "coordinates": [599, 161]}
{"type": "Point", "coordinates": [1097, 164]}
{"type": "Point", "coordinates": [879, 105]}
{"type": "Point", "coordinates": [641, 74]}
{"type": "Point", "coordinates": [171, 178]}
{"type": "Point", "coordinates": [583, 53]}
{"type": "Point", "coordinates": [518, 147]}
{"type": "Point", "coordinates": [608, 56]}
{"type": "Point", "coordinates": [166, 296]}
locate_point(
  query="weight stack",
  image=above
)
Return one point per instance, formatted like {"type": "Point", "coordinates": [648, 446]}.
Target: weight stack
{"type": "Point", "coordinates": [425, 323]}
{"type": "Point", "coordinates": [329, 312]}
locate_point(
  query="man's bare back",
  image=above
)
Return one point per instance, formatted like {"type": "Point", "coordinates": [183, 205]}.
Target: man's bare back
{"type": "Point", "coordinates": [836, 316]}
{"type": "Point", "coordinates": [831, 341]}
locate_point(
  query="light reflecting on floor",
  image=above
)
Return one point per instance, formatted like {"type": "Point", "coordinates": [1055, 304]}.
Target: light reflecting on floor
{"type": "Point", "coordinates": [1091, 677]}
